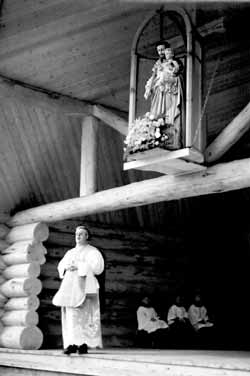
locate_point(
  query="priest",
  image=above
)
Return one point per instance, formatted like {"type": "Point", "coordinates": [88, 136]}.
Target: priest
{"type": "Point", "coordinates": [78, 295]}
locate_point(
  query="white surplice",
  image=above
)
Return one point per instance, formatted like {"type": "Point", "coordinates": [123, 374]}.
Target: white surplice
{"type": "Point", "coordinates": [148, 320]}
{"type": "Point", "coordinates": [79, 296]}
{"type": "Point", "coordinates": [198, 317]}
{"type": "Point", "coordinates": [176, 312]}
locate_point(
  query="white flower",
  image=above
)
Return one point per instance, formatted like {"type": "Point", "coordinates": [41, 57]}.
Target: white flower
{"type": "Point", "coordinates": [157, 133]}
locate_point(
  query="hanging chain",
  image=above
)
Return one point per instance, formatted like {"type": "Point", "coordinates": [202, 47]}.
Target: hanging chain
{"type": "Point", "coordinates": [206, 100]}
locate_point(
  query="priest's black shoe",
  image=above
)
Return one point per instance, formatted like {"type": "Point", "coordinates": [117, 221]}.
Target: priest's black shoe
{"type": "Point", "coordinates": [71, 349]}
{"type": "Point", "coordinates": [83, 349]}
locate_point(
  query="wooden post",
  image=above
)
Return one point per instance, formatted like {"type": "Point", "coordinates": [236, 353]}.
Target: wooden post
{"type": "Point", "coordinates": [229, 135]}
{"type": "Point", "coordinates": [216, 179]}
{"type": "Point", "coordinates": [88, 174]}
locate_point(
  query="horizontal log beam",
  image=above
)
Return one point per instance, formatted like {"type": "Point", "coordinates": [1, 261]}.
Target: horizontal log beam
{"type": "Point", "coordinates": [229, 135]}
{"type": "Point", "coordinates": [21, 337]}
{"type": "Point", "coordinates": [28, 302]}
{"type": "Point", "coordinates": [21, 287]}
{"type": "Point", "coordinates": [36, 232]}
{"type": "Point", "coordinates": [219, 178]}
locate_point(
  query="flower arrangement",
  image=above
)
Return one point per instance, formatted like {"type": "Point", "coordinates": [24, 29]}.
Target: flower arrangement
{"type": "Point", "coordinates": [147, 133]}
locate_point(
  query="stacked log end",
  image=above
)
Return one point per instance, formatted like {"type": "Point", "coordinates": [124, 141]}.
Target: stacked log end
{"type": "Point", "coordinates": [21, 254]}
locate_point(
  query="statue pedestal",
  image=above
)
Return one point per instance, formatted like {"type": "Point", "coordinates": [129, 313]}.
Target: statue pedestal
{"type": "Point", "coordinates": [177, 162]}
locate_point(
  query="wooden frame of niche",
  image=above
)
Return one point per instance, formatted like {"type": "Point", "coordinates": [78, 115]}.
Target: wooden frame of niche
{"type": "Point", "coordinates": [174, 162]}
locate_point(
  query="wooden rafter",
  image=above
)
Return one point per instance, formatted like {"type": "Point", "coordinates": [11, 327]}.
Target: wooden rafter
{"type": "Point", "coordinates": [11, 89]}
{"type": "Point", "coordinates": [62, 104]}
{"type": "Point", "coordinates": [111, 119]}
{"type": "Point", "coordinates": [229, 135]}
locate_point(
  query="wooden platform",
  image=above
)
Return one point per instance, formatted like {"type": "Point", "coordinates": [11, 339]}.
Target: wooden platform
{"type": "Point", "coordinates": [178, 162]}
{"type": "Point", "coordinates": [125, 362]}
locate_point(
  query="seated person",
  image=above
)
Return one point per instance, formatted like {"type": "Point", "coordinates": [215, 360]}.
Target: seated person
{"type": "Point", "coordinates": [197, 314]}
{"type": "Point", "coordinates": [199, 320]}
{"type": "Point", "coordinates": [149, 324]}
{"type": "Point", "coordinates": [177, 313]}
{"type": "Point", "coordinates": [178, 322]}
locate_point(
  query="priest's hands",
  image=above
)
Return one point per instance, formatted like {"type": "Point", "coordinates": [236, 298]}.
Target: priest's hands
{"type": "Point", "coordinates": [72, 268]}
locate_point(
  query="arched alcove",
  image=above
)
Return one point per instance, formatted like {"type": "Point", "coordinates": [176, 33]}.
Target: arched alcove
{"type": "Point", "coordinates": [174, 25]}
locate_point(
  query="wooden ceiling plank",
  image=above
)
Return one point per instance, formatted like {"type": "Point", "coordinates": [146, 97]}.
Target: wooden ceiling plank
{"type": "Point", "coordinates": [74, 70]}
{"type": "Point", "coordinates": [65, 76]}
{"type": "Point", "coordinates": [49, 139]}
{"type": "Point", "coordinates": [37, 63]}
{"type": "Point", "coordinates": [109, 170]}
{"type": "Point", "coordinates": [112, 153]}
{"type": "Point", "coordinates": [15, 8]}
{"type": "Point", "coordinates": [24, 143]}
{"type": "Point", "coordinates": [50, 36]}
{"type": "Point", "coordinates": [216, 179]}
{"type": "Point", "coordinates": [74, 124]}
{"type": "Point", "coordinates": [68, 152]}
{"type": "Point", "coordinates": [52, 178]}
{"type": "Point", "coordinates": [13, 174]}
{"type": "Point", "coordinates": [48, 20]}
{"type": "Point", "coordinates": [27, 137]}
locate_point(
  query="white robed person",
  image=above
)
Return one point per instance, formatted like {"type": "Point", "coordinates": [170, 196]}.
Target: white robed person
{"type": "Point", "coordinates": [78, 295]}
{"type": "Point", "coordinates": [150, 326]}
{"type": "Point", "coordinates": [197, 314]}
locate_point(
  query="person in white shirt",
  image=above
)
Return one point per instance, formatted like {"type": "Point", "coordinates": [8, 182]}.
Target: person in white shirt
{"type": "Point", "coordinates": [78, 295]}
{"type": "Point", "coordinates": [178, 322]}
{"type": "Point", "coordinates": [177, 312]}
{"type": "Point", "coordinates": [149, 322]}
{"type": "Point", "coordinates": [203, 327]}
{"type": "Point", "coordinates": [197, 314]}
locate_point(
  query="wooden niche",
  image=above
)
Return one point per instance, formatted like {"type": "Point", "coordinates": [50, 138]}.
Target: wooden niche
{"type": "Point", "coordinates": [160, 152]}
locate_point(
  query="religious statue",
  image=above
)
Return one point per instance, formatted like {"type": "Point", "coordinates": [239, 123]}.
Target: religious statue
{"type": "Point", "coordinates": [78, 295]}
{"type": "Point", "coordinates": [162, 125]}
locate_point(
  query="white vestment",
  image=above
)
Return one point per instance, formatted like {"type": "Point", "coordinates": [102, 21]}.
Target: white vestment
{"type": "Point", "coordinates": [176, 312]}
{"type": "Point", "coordinates": [79, 296]}
{"type": "Point", "coordinates": [198, 317]}
{"type": "Point", "coordinates": [148, 320]}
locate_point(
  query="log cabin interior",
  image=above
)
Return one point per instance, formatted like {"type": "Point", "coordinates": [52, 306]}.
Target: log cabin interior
{"type": "Point", "coordinates": [65, 88]}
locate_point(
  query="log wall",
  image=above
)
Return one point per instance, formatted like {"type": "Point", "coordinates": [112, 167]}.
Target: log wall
{"type": "Point", "coordinates": [21, 255]}
{"type": "Point", "coordinates": [137, 263]}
